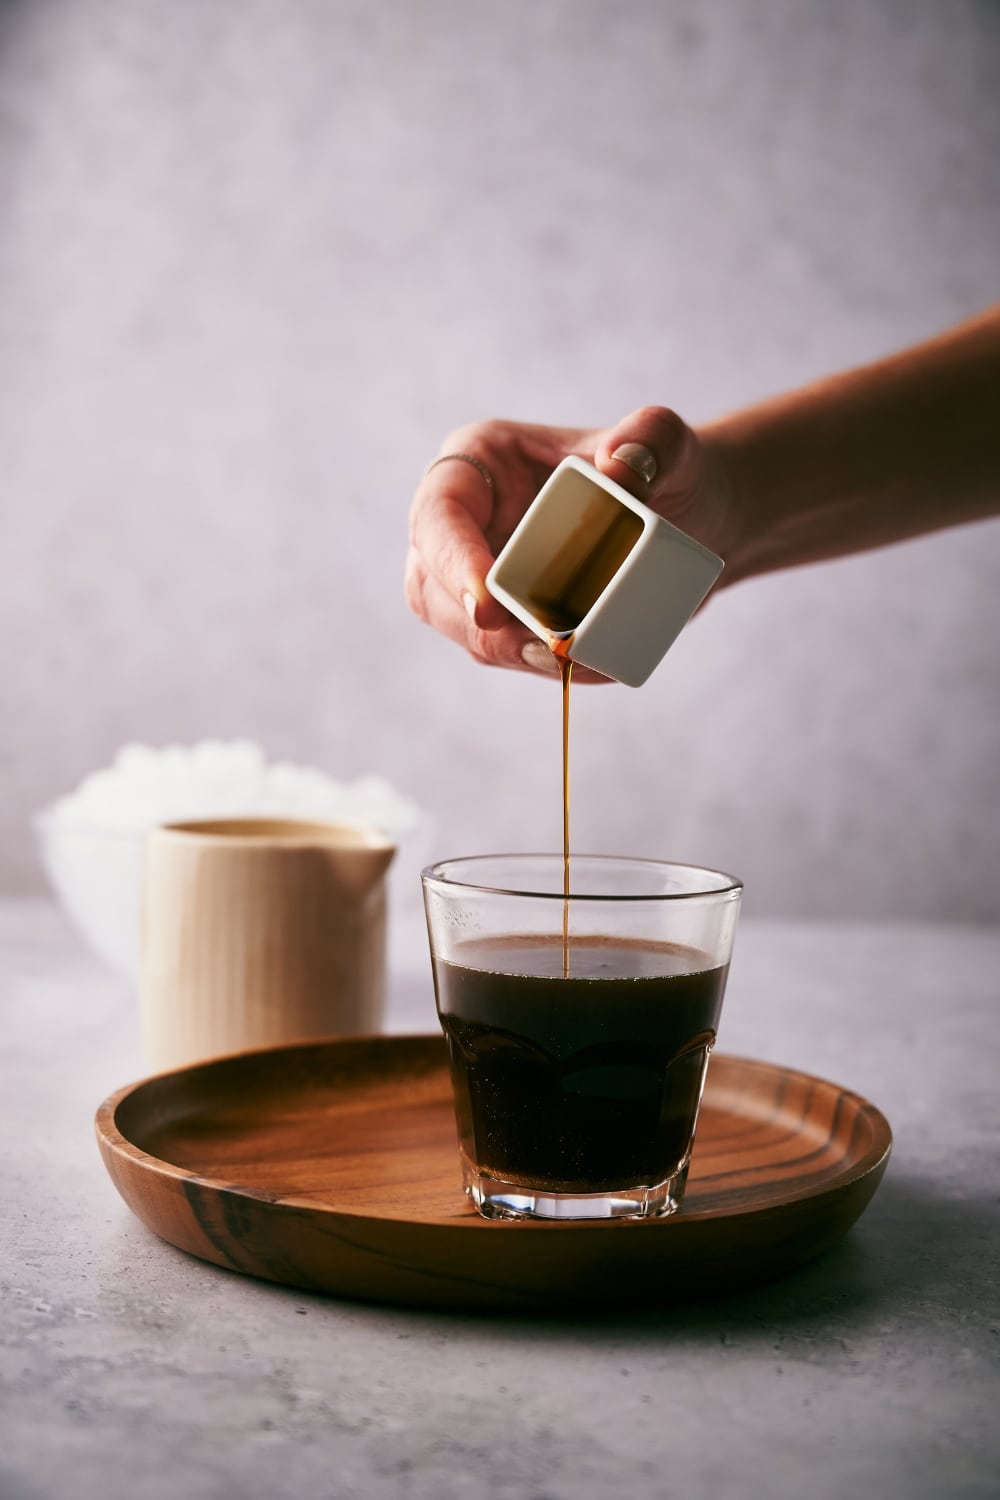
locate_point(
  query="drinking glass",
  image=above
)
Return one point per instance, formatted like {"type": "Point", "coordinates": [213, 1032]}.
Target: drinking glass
{"type": "Point", "coordinates": [579, 1028]}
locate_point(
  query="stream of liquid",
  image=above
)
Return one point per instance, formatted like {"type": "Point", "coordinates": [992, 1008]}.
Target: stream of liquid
{"type": "Point", "coordinates": [594, 547]}
{"type": "Point", "coordinates": [560, 649]}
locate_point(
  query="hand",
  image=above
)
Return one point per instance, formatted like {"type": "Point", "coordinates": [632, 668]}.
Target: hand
{"type": "Point", "coordinates": [459, 522]}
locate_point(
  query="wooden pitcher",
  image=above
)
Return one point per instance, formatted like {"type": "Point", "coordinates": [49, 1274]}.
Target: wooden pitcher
{"type": "Point", "coordinates": [260, 931]}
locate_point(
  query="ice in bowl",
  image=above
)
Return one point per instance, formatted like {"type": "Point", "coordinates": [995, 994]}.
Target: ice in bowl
{"type": "Point", "coordinates": [91, 840]}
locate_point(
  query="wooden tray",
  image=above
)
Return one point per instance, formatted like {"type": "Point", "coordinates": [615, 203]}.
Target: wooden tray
{"type": "Point", "coordinates": [334, 1166]}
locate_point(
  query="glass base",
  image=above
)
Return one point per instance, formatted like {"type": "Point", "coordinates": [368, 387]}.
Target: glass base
{"type": "Point", "coordinates": [496, 1199]}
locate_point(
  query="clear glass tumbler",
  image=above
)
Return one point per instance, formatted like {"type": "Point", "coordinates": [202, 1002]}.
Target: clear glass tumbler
{"type": "Point", "coordinates": [579, 1028]}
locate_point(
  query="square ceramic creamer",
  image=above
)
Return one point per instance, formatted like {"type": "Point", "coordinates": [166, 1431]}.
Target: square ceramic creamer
{"type": "Point", "coordinates": [591, 565]}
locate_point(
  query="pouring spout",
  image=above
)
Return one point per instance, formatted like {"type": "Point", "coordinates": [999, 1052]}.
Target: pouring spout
{"type": "Point", "coordinates": [358, 867]}
{"type": "Point", "coordinates": [354, 857]}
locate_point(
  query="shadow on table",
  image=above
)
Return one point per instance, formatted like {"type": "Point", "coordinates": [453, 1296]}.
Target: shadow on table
{"type": "Point", "coordinates": [915, 1250]}
{"type": "Point", "coordinates": [916, 1254]}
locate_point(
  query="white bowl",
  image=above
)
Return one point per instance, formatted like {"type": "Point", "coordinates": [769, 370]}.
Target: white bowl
{"type": "Point", "coordinates": [92, 842]}
{"type": "Point", "coordinates": [97, 875]}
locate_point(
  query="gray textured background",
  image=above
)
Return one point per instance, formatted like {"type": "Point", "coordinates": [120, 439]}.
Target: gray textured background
{"type": "Point", "coordinates": [256, 259]}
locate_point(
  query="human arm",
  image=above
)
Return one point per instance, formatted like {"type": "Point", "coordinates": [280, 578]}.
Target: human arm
{"type": "Point", "coordinates": [876, 455]}
{"type": "Point", "coordinates": [902, 446]}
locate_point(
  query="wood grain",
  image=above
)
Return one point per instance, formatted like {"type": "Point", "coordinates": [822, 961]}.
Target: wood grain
{"type": "Point", "coordinates": [334, 1166]}
{"type": "Point", "coordinates": [260, 932]}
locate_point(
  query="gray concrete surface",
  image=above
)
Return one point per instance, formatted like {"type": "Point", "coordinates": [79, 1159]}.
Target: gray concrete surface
{"type": "Point", "coordinates": [128, 1369]}
{"type": "Point", "coordinates": [256, 260]}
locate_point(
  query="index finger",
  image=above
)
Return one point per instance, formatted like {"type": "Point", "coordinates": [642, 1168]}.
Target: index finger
{"type": "Point", "coordinates": [452, 507]}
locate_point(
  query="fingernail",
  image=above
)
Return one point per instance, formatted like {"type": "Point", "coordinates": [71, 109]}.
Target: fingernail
{"type": "Point", "coordinates": [536, 654]}
{"type": "Point", "coordinates": [640, 459]}
{"type": "Point", "coordinates": [469, 601]}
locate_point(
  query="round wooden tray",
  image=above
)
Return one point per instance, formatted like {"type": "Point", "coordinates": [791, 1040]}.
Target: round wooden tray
{"type": "Point", "coordinates": [334, 1166]}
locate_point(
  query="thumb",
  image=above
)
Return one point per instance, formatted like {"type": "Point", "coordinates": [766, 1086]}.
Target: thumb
{"type": "Point", "coordinates": [656, 456]}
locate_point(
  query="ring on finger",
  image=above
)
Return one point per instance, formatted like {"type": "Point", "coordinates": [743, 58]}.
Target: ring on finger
{"type": "Point", "coordinates": [465, 458]}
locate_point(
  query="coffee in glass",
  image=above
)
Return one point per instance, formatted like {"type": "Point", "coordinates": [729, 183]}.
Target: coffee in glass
{"type": "Point", "coordinates": [579, 1028]}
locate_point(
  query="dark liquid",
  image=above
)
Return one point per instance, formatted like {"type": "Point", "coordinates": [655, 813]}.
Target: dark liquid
{"type": "Point", "coordinates": [588, 557]}
{"type": "Point", "coordinates": [598, 534]}
{"type": "Point", "coordinates": [560, 649]}
{"type": "Point", "coordinates": [584, 1083]}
